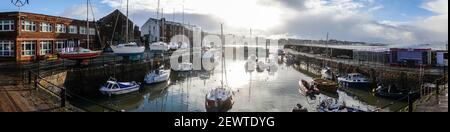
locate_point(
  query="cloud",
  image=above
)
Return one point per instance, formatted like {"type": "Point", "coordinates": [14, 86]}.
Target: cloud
{"type": "Point", "coordinates": [79, 12]}
{"type": "Point", "coordinates": [344, 19]}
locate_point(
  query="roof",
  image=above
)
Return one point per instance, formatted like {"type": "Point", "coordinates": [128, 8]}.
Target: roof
{"type": "Point", "coordinates": [15, 12]}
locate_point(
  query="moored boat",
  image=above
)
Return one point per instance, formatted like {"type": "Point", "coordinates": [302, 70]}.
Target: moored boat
{"type": "Point", "coordinates": [307, 89]}
{"type": "Point", "coordinates": [128, 49]}
{"type": "Point", "coordinates": [113, 87]}
{"type": "Point", "coordinates": [354, 80]}
{"type": "Point", "coordinates": [183, 67]}
{"type": "Point", "coordinates": [159, 47]}
{"type": "Point", "coordinates": [157, 76]}
{"type": "Point", "coordinates": [80, 54]}
{"type": "Point", "coordinates": [325, 85]}
{"type": "Point", "coordinates": [219, 99]}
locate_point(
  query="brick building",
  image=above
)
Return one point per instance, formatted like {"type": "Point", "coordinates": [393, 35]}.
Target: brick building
{"type": "Point", "coordinates": [29, 36]}
{"type": "Point", "coordinates": [115, 23]}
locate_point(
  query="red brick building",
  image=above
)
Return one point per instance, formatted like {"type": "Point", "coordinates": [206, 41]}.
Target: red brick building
{"type": "Point", "coordinates": [28, 36]}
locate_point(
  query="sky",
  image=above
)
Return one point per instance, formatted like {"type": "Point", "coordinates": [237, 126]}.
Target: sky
{"type": "Point", "coordinates": [377, 21]}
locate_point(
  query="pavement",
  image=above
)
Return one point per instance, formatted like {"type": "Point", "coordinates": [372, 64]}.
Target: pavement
{"type": "Point", "coordinates": [434, 103]}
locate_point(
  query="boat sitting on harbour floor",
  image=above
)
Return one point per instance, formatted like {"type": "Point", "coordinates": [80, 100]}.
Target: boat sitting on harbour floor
{"type": "Point", "coordinates": [129, 49]}
{"type": "Point", "coordinates": [113, 87]}
{"type": "Point", "coordinates": [80, 54]}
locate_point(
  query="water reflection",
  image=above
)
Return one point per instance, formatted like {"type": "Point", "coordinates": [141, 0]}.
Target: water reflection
{"type": "Point", "coordinates": [267, 91]}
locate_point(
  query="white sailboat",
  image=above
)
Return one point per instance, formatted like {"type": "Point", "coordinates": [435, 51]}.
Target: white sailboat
{"type": "Point", "coordinates": [220, 99]}
{"type": "Point", "coordinates": [159, 47]}
{"type": "Point", "coordinates": [128, 48]}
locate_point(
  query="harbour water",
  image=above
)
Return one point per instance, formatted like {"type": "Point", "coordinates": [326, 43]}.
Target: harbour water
{"type": "Point", "coordinates": [275, 91]}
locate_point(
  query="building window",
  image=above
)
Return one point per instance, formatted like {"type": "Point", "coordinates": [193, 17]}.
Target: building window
{"type": "Point", "coordinates": [7, 48]}
{"type": "Point", "coordinates": [82, 30]}
{"type": "Point", "coordinates": [46, 47]}
{"type": "Point", "coordinates": [46, 27]}
{"type": "Point", "coordinates": [60, 46]}
{"type": "Point", "coordinates": [28, 48]}
{"type": "Point", "coordinates": [73, 30]}
{"type": "Point", "coordinates": [6, 25]}
{"type": "Point", "coordinates": [91, 31]}
{"type": "Point", "coordinates": [29, 26]}
{"type": "Point", "coordinates": [60, 28]}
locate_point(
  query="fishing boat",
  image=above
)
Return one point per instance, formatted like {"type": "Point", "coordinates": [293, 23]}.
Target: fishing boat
{"type": "Point", "coordinates": [159, 47]}
{"type": "Point", "coordinates": [128, 49]}
{"type": "Point", "coordinates": [354, 80]}
{"type": "Point", "coordinates": [183, 67]}
{"type": "Point", "coordinates": [157, 76]}
{"type": "Point", "coordinates": [327, 74]}
{"type": "Point", "coordinates": [307, 89]}
{"type": "Point", "coordinates": [325, 85]}
{"type": "Point", "coordinates": [113, 87]}
{"type": "Point", "coordinates": [80, 54]}
{"type": "Point", "coordinates": [219, 99]}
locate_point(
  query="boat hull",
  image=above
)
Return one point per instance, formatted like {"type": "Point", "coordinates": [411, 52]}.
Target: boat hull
{"type": "Point", "coordinates": [120, 92]}
{"type": "Point", "coordinates": [355, 85]}
{"type": "Point", "coordinates": [80, 56]}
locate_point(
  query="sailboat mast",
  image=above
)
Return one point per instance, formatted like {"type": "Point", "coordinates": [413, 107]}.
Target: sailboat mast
{"type": "Point", "coordinates": [126, 38]}
{"type": "Point", "coordinates": [157, 10]}
{"type": "Point", "coordinates": [223, 58]}
{"type": "Point", "coordinates": [87, 24]}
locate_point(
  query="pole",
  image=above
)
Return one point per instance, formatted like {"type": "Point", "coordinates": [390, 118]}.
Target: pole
{"type": "Point", "coordinates": [126, 38]}
{"type": "Point", "coordinates": [87, 23]}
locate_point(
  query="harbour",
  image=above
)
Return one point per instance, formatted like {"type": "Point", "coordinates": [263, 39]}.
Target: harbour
{"type": "Point", "coordinates": [58, 64]}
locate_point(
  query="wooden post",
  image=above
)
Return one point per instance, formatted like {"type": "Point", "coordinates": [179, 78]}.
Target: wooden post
{"type": "Point", "coordinates": [410, 103]}
{"type": "Point", "coordinates": [63, 97]}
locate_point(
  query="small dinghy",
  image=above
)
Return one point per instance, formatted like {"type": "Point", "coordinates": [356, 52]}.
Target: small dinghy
{"type": "Point", "coordinates": [113, 87]}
